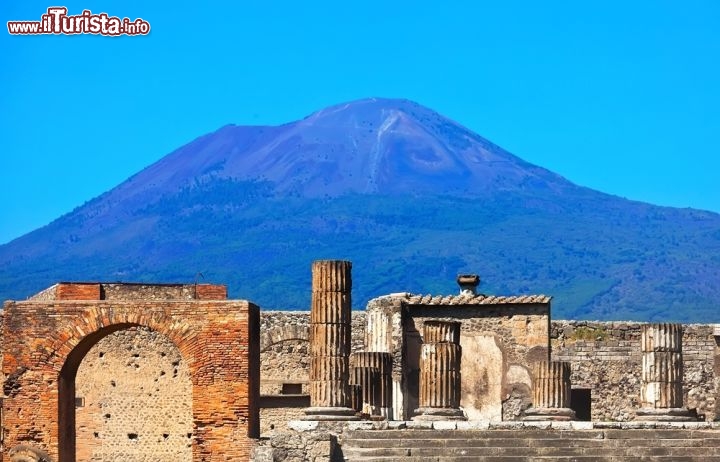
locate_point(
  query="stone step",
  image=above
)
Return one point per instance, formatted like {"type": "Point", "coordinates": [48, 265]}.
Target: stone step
{"type": "Point", "coordinates": [536, 433]}
{"type": "Point", "coordinates": [529, 442]}
{"type": "Point", "coordinates": [606, 445]}
{"type": "Point", "coordinates": [538, 458]}
{"type": "Point", "coordinates": [523, 451]}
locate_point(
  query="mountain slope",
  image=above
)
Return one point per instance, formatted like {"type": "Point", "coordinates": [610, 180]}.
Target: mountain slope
{"type": "Point", "coordinates": [410, 196]}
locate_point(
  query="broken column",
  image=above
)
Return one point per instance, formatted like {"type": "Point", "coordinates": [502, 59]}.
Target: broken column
{"type": "Point", "coordinates": [551, 392]}
{"type": "Point", "coordinates": [440, 360]}
{"type": "Point", "coordinates": [661, 390]}
{"type": "Point", "coordinates": [381, 397]}
{"type": "Point", "coordinates": [330, 312]}
{"type": "Point", "coordinates": [368, 379]}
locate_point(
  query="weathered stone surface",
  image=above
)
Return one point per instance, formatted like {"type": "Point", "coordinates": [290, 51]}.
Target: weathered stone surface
{"type": "Point", "coordinates": [329, 393]}
{"type": "Point", "coordinates": [330, 368]}
{"type": "Point", "coordinates": [662, 366]}
{"type": "Point", "coordinates": [551, 384]}
{"type": "Point", "coordinates": [661, 337]}
{"type": "Point", "coordinates": [369, 380]}
{"type": "Point", "coordinates": [494, 338]}
{"type": "Point", "coordinates": [330, 308]}
{"type": "Point", "coordinates": [383, 363]}
{"type": "Point", "coordinates": [440, 375]}
{"type": "Point", "coordinates": [606, 357]}
{"type": "Point", "coordinates": [330, 341]}
{"type": "Point", "coordinates": [133, 382]}
{"type": "Point", "coordinates": [332, 276]}
{"type": "Point", "coordinates": [441, 332]}
{"type": "Point", "coordinates": [27, 453]}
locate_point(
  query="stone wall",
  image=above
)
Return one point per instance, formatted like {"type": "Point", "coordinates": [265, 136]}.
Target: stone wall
{"type": "Point", "coordinates": [308, 441]}
{"type": "Point", "coordinates": [606, 358]}
{"type": "Point", "coordinates": [499, 343]}
{"type": "Point", "coordinates": [285, 360]}
{"type": "Point", "coordinates": [135, 397]}
{"type": "Point", "coordinates": [284, 354]}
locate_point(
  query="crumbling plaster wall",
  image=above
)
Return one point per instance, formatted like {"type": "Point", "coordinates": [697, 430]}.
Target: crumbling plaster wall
{"type": "Point", "coordinates": [606, 358]}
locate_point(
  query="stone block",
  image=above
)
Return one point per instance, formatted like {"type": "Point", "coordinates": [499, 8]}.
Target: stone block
{"type": "Point", "coordinates": [444, 425]}
{"type": "Point", "coordinates": [303, 425]}
{"type": "Point", "coordinates": [360, 425]}
{"type": "Point", "coordinates": [473, 425]}
{"type": "Point", "coordinates": [419, 424]}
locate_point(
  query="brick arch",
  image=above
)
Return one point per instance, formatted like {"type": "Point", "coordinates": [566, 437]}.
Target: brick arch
{"type": "Point", "coordinates": [99, 324]}
{"type": "Point", "coordinates": [45, 341]}
{"type": "Point", "coordinates": [72, 347]}
{"type": "Point", "coordinates": [279, 334]}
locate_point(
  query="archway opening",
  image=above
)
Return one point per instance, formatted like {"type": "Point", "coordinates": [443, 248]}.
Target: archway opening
{"type": "Point", "coordinates": [125, 394]}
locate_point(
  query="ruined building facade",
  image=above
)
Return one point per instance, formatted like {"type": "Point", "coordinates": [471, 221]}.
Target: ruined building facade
{"type": "Point", "coordinates": [155, 372]}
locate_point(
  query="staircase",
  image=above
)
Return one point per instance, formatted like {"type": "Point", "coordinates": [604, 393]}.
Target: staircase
{"type": "Point", "coordinates": [527, 444]}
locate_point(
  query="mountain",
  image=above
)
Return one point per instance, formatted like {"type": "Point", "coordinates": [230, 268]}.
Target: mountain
{"type": "Point", "coordinates": [411, 197]}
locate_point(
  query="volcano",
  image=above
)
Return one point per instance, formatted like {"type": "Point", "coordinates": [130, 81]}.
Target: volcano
{"type": "Point", "coordinates": [411, 197]}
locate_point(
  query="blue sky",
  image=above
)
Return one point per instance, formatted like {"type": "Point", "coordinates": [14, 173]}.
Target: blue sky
{"type": "Point", "coordinates": [623, 97]}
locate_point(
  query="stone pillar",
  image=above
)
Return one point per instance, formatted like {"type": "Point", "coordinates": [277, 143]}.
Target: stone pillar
{"type": "Point", "coordinates": [441, 332]}
{"type": "Point", "coordinates": [661, 387]}
{"type": "Point", "coordinates": [368, 379]}
{"type": "Point", "coordinates": [551, 392]}
{"type": "Point", "coordinates": [440, 360]}
{"type": "Point", "coordinates": [356, 401]}
{"type": "Point", "coordinates": [330, 397]}
{"type": "Point", "coordinates": [382, 401]}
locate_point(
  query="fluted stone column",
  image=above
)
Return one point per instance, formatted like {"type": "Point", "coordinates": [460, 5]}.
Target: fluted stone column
{"type": "Point", "coordinates": [382, 399]}
{"type": "Point", "coordinates": [356, 399]}
{"type": "Point", "coordinates": [661, 388]}
{"type": "Point", "coordinates": [441, 332]}
{"type": "Point", "coordinates": [440, 360]}
{"type": "Point", "coordinates": [551, 392]}
{"type": "Point", "coordinates": [368, 378]}
{"type": "Point", "coordinates": [330, 397]}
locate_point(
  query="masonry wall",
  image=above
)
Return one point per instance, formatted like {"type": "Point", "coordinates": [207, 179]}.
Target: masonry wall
{"type": "Point", "coordinates": [499, 344]}
{"type": "Point", "coordinates": [46, 340]}
{"type": "Point", "coordinates": [285, 360]}
{"type": "Point", "coordinates": [135, 400]}
{"type": "Point", "coordinates": [606, 358]}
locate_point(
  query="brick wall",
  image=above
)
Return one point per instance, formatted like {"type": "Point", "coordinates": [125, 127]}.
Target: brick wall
{"type": "Point", "coordinates": [44, 341]}
{"type": "Point", "coordinates": [77, 292]}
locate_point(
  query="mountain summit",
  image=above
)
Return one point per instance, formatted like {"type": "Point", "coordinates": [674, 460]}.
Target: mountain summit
{"type": "Point", "coordinates": [410, 196]}
{"type": "Point", "coordinates": [371, 146]}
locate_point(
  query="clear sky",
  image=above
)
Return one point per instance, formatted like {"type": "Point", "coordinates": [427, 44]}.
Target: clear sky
{"type": "Point", "coordinates": [623, 97]}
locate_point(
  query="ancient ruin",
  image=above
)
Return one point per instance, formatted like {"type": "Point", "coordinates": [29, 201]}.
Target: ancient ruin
{"type": "Point", "coordinates": [167, 372]}
{"type": "Point", "coordinates": [46, 338]}
{"type": "Point", "coordinates": [551, 392]}
{"type": "Point", "coordinates": [330, 342]}
{"type": "Point", "coordinates": [440, 360]}
{"type": "Point", "coordinates": [661, 395]}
